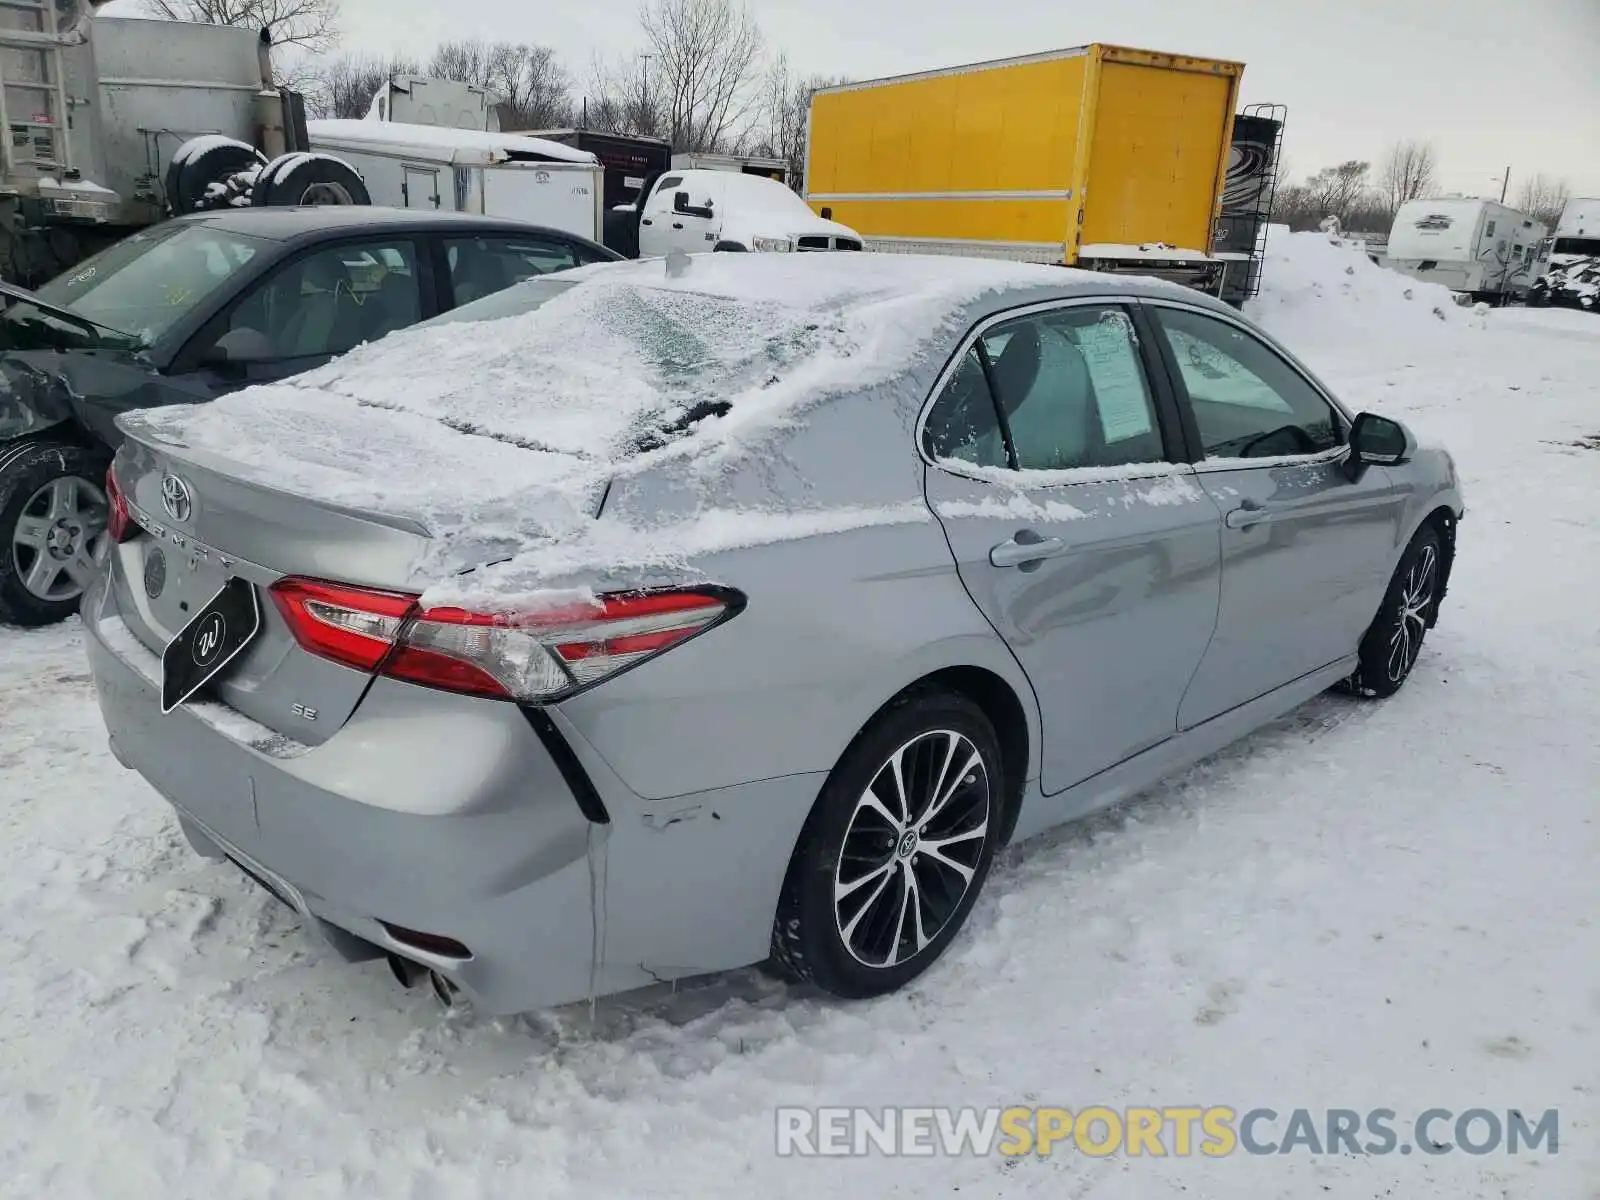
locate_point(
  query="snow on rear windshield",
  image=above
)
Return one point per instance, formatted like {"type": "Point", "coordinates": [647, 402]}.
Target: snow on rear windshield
{"type": "Point", "coordinates": [599, 372]}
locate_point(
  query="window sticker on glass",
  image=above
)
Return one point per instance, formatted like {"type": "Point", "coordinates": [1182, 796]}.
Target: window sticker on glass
{"type": "Point", "coordinates": [1107, 348]}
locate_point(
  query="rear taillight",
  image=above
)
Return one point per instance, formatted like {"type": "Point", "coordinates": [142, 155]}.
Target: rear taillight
{"type": "Point", "coordinates": [532, 657]}
{"type": "Point", "coordinates": [354, 626]}
{"type": "Point", "coordinates": [120, 524]}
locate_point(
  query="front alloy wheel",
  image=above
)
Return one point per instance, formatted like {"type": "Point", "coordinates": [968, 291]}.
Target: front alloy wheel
{"type": "Point", "coordinates": [1392, 643]}
{"type": "Point", "coordinates": [896, 849]}
{"type": "Point", "coordinates": [1411, 623]}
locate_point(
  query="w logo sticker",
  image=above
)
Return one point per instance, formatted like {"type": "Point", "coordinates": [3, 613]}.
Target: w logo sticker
{"type": "Point", "coordinates": [208, 640]}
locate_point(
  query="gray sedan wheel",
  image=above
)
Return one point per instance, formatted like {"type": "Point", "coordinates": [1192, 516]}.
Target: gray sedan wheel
{"type": "Point", "coordinates": [1394, 640]}
{"type": "Point", "coordinates": [53, 525]}
{"type": "Point", "coordinates": [896, 850]}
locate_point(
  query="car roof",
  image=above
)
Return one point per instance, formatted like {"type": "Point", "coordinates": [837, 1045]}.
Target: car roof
{"type": "Point", "coordinates": [975, 286]}
{"type": "Point", "coordinates": [288, 224]}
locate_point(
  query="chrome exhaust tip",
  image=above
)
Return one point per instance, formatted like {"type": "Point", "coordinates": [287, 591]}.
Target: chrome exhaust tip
{"type": "Point", "coordinates": [404, 971]}
{"type": "Point", "coordinates": [448, 994]}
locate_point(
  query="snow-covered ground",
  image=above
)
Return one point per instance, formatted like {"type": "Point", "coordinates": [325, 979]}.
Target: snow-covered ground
{"type": "Point", "coordinates": [1391, 905]}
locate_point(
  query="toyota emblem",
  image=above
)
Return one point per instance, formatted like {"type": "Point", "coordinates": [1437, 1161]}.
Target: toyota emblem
{"type": "Point", "coordinates": [176, 498]}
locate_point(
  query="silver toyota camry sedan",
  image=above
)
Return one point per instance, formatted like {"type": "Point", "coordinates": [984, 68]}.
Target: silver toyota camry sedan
{"type": "Point", "coordinates": [677, 615]}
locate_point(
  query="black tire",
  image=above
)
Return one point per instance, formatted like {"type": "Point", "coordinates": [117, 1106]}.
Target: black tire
{"type": "Point", "coordinates": [190, 174]}
{"type": "Point", "coordinates": [1393, 641]}
{"type": "Point", "coordinates": [309, 179]}
{"type": "Point", "coordinates": [28, 472]}
{"type": "Point", "coordinates": [865, 944]}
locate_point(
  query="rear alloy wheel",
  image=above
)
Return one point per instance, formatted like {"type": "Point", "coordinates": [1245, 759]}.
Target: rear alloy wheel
{"type": "Point", "coordinates": [896, 850]}
{"type": "Point", "coordinates": [1392, 643]}
{"type": "Point", "coordinates": [53, 523]}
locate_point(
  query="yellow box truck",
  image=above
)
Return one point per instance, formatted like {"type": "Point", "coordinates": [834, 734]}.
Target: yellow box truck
{"type": "Point", "coordinates": [1099, 156]}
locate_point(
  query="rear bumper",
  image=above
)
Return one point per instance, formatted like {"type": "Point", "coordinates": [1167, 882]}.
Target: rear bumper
{"type": "Point", "coordinates": [507, 876]}
{"type": "Point", "coordinates": [448, 816]}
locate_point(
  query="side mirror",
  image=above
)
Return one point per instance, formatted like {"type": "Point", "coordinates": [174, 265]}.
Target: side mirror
{"type": "Point", "coordinates": [1377, 442]}
{"type": "Point", "coordinates": [827, 213]}
{"type": "Point", "coordinates": [680, 204]}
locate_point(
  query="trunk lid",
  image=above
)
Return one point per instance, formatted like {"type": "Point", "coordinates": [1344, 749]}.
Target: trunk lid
{"type": "Point", "coordinates": [202, 525]}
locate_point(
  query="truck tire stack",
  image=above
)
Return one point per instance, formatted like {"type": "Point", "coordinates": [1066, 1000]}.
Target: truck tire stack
{"type": "Point", "coordinates": [212, 172]}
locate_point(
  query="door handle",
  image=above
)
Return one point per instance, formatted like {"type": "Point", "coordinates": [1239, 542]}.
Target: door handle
{"type": "Point", "coordinates": [1024, 549]}
{"type": "Point", "coordinates": [1247, 514]}
{"type": "Point", "coordinates": [677, 224]}
{"type": "Point", "coordinates": [647, 221]}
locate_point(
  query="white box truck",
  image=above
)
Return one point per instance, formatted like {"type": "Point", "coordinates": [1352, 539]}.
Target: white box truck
{"type": "Point", "coordinates": [469, 170]}
{"type": "Point", "coordinates": [421, 100]}
{"type": "Point", "coordinates": [1483, 249]}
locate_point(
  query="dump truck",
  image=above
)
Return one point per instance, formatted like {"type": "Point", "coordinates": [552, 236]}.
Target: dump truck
{"type": "Point", "coordinates": [1099, 156]}
{"type": "Point", "coordinates": [114, 124]}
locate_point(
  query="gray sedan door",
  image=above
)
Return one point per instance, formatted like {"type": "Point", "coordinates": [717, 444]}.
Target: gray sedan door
{"type": "Point", "coordinates": [1306, 552]}
{"type": "Point", "coordinates": [1095, 560]}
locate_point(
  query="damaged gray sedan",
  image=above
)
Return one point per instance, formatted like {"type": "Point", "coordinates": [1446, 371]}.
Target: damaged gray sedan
{"type": "Point", "coordinates": [685, 614]}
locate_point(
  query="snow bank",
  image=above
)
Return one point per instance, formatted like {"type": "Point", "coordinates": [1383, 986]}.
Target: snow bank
{"type": "Point", "coordinates": [1319, 289]}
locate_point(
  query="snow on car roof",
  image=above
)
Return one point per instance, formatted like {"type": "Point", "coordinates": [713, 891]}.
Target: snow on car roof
{"type": "Point", "coordinates": [607, 376]}
{"type": "Point", "coordinates": [458, 145]}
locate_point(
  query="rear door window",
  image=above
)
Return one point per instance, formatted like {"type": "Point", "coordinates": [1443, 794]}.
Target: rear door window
{"type": "Point", "coordinates": [326, 303]}
{"type": "Point", "coordinates": [482, 266]}
{"type": "Point", "coordinates": [1067, 388]}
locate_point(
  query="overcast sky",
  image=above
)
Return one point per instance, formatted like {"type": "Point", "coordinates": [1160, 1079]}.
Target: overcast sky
{"type": "Point", "coordinates": [1492, 82]}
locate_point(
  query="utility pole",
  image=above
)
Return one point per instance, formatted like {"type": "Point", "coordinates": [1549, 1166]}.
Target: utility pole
{"type": "Point", "coordinates": [1505, 182]}
{"type": "Point", "coordinates": [644, 87]}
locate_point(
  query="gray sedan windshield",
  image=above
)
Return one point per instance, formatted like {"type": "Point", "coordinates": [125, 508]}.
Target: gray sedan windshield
{"type": "Point", "coordinates": [146, 283]}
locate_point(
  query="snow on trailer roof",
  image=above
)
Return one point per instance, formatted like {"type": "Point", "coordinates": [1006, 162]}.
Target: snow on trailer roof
{"type": "Point", "coordinates": [464, 147]}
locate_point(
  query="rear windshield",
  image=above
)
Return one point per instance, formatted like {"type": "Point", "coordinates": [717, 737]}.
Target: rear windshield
{"type": "Point", "coordinates": [147, 283]}
{"type": "Point", "coordinates": [1573, 245]}
{"type": "Point", "coordinates": [513, 301]}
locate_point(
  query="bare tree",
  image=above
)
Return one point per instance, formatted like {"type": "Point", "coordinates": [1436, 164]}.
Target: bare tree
{"type": "Point", "coordinates": [785, 112]}
{"type": "Point", "coordinates": [622, 99]}
{"type": "Point", "coordinates": [1408, 173]}
{"type": "Point", "coordinates": [535, 87]}
{"type": "Point", "coordinates": [464, 61]}
{"type": "Point", "coordinates": [344, 87]}
{"type": "Point", "coordinates": [697, 84]}
{"type": "Point", "coordinates": [312, 25]}
{"type": "Point", "coordinates": [529, 82]}
{"type": "Point", "coordinates": [1336, 191]}
{"type": "Point", "coordinates": [1544, 197]}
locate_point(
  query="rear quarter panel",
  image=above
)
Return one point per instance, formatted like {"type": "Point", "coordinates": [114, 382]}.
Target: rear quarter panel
{"type": "Point", "coordinates": [835, 626]}
{"type": "Point", "coordinates": [836, 623]}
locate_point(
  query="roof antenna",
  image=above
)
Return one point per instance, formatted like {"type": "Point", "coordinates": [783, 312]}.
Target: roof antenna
{"type": "Point", "coordinates": [677, 264]}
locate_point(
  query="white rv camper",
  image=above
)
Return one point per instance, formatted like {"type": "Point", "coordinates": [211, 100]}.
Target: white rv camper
{"type": "Point", "coordinates": [471, 171]}
{"type": "Point", "coordinates": [1486, 250]}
